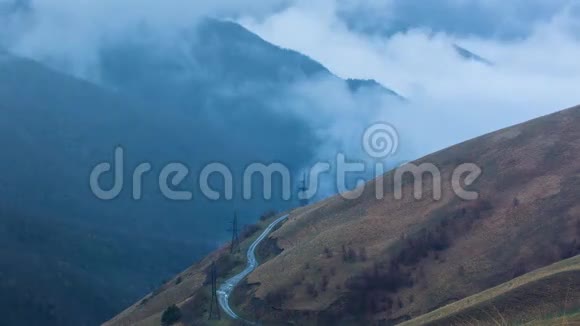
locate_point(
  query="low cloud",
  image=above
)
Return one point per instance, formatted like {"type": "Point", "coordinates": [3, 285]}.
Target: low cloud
{"type": "Point", "coordinates": [407, 46]}
{"type": "Point", "coordinates": [68, 34]}
{"type": "Point", "coordinates": [451, 99]}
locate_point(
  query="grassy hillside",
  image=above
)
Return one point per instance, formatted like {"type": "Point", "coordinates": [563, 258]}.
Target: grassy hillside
{"type": "Point", "coordinates": [190, 290]}
{"type": "Point", "coordinates": [548, 296]}
{"type": "Point", "coordinates": [387, 261]}
{"type": "Point", "coordinates": [393, 260]}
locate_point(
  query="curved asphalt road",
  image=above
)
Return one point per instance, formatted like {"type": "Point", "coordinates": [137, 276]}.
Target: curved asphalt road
{"type": "Point", "coordinates": [227, 288]}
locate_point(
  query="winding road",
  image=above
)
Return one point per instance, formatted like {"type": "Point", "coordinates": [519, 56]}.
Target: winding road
{"type": "Point", "coordinates": [226, 289]}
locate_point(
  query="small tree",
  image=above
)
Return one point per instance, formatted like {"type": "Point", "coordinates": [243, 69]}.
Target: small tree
{"type": "Point", "coordinates": [351, 256]}
{"type": "Point", "coordinates": [461, 271]}
{"type": "Point", "coordinates": [325, 281]}
{"type": "Point", "coordinates": [311, 290]}
{"type": "Point", "coordinates": [363, 254]}
{"type": "Point", "coordinates": [171, 316]}
{"type": "Point", "coordinates": [328, 253]}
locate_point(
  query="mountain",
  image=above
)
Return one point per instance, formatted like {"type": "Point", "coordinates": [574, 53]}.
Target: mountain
{"type": "Point", "coordinates": [67, 258]}
{"type": "Point", "coordinates": [468, 55]}
{"type": "Point", "coordinates": [356, 85]}
{"type": "Point", "coordinates": [71, 259]}
{"type": "Point", "coordinates": [208, 58]}
{"type": "Point", "coordinates": [386, 261]}
{"type": "Point", "coordinates": [211, 57]}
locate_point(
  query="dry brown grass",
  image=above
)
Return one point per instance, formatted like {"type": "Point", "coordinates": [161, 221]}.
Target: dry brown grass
{"type": "Point", "coordinates": [529, 299]}
{"type": "Point", "coordinates": [148, 311]}
{"type": "Point", "coordinates": [538, 163]}
{"type": "Point", "coordinates": [491, 241]}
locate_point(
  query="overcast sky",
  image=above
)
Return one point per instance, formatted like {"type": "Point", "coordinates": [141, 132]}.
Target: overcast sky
{"type": "Point", "coordinates": [406, 45]}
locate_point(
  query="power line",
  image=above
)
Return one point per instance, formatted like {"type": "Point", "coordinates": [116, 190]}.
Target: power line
{"type": "Point", "coordinates": [235, 244]}
{"type": "Point", "coordinates": [302, 192]}
{"type": "Point", "coordinates": [214, 305]}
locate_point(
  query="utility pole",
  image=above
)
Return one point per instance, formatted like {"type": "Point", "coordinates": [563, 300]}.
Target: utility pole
{"type": "Point", "coordinates": [214, 305]}
{"type": "Point", "coordinates": [302, 192]}
{"type": "Point", "coordinates": [235, 245]}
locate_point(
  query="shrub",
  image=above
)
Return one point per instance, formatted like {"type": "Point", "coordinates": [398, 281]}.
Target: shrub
{"type": "Point", "coordinates": [351, 256]}
{"type": "Point", "coordinates": [363, 254]}
{"type": "Point", "coordinates": [324, 283]}
{"type": "Point", "coordinates": [420, 247]}
{"type": "Point", "coordinates": [277, 297]}
{"type": "Point", "coordinates": [482, 206]}
{"type": "Point", "coordinates": [328, 253]}
{"type": "Point", "coordinates": [311, 290]}
{"type": "Point", "coordinates": [568, 249]}
{"type": "Point", "coordinates": [381, 278]}
{"type": "Point", "coordinates": [461, 271]}
{"type": "Point", "coordinates": [171, 316]}
{"type": "Point", "coordinates": [519, 270]}
{"type": "Point", "coordinates": [348, 254]}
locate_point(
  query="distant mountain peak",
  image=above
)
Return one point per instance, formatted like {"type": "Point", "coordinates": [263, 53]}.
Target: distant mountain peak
{"type": "Point", "coordinates": [356, 85]}
{"type": "Point", "coordinates": [468, 55]}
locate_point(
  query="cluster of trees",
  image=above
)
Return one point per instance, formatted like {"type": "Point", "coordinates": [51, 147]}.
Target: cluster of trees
{"type": "Point", "coordinates": [277, 297]}
{"type": "Point", "coordinates": [418, 248]}
{"type": "Point", "coordinates": [572, 248]}
{"type": "Point", "coordinates": [312, 288]}
{"type": "Point", "coordinates": [350, 255]}
{"type": "Point", "coordinates": [372, 291]}
{"type": "Point", "coordinates": [375, 290]}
